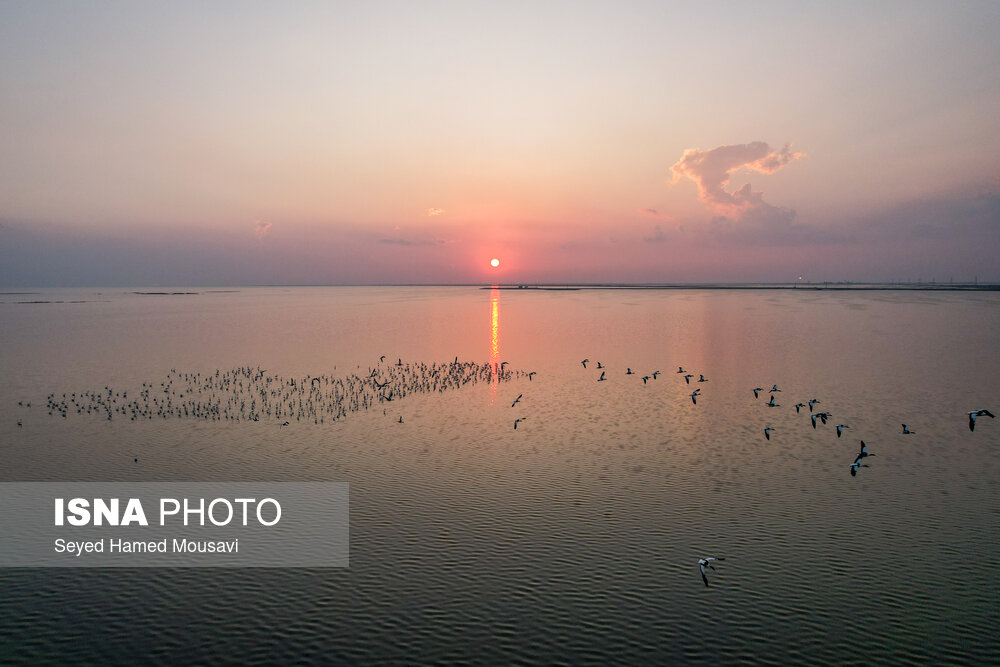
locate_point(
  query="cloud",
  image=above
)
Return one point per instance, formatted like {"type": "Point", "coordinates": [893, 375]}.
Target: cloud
{"type": "Point", "coordinates": [432, 212]}
{"type": "Point", "coordinates": [657, 237]}
{"type": "Point", "coordinates": [711, 170]}
{"type": "Point", "coordinates": [261, 228]}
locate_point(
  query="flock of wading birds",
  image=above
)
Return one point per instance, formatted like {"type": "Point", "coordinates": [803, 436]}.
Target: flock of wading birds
{"type": "Point", "coordinates": [252, 394]}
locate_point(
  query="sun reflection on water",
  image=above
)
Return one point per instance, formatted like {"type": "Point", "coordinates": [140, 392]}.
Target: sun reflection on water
{"type": "Point", "coordinates": [494, 341]}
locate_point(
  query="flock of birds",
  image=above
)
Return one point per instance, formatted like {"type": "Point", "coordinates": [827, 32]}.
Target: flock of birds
{"type": "Point", "coordinates": [252, 394]}
{"type": "Point", "coordinates": [815, 416]}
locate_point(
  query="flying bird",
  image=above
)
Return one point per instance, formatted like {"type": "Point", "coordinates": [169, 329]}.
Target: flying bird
{"type": "Point", "coordinates": [978, 413]}
{"type": "Point", "coordinates": [655, 374]}
{"type": "Point", "coordinates": [774, 389]}
{"type": "Point", "coordinates": [767, 432]}
{"type": "Point", "coordinates": [644, 378]}
{"type": "Point", "coordinates": [629, 372]}
{"type": "Point", "coordinates": [680, 369]}
{"type": "Point", "coordinates": [599, 365]}
{"type": "Point", "coordinates": [907, 431]}
{"type": "Point", "coordinates": [701, 378]}
{"type": "Point", "coordinates": [694, 397]}
{"type": "Point", "coordinates": [822, 416]}
{"type": "Point", "coordinates": [706, 562]}
{"type": "Point", "coordinates": [756, 391]}
{"type": "Point", "coordinates": [516, 400]}
{"type": "Point", "coordinates": [840, 428]}
{"type": "Point", "coordinates": [602, 378]}
{"type": "Point", "coordinates": [532, 373]}
{"type": "Point", "coordinates": [518, 421]}
{"type": "Point", "coordinates": [863, 453]}
{"type": "Point", "coordinates": [771, 403]}
{"type": "Point", "coordinates": [855, 466]}
{"type": "Point", "coordinates": [812, 402]}
{"type": "Point", "coordinates": [687, 378]}
{"type": "Point", "coordinates": [799, 406]}
{"type": "Point", "coordinates": [584, 362]}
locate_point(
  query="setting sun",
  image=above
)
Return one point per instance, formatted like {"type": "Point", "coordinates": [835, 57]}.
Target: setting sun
{"type": "Point", "coordinates": [494, 262]}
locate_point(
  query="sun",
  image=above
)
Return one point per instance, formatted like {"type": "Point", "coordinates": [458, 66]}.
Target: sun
{"type": "Point", "coordinates": [494, 262]}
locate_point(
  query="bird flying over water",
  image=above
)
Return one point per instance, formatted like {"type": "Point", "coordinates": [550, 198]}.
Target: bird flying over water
{"type": "Point", "coordinates": [855, 466]}
{"type": "Point", "coordinates": [518, 421]}
{"type": "Point", "coordinates": [812, 402]}
{"type": "Point", "coordinates": [655, 374]}
{"type": "Point", "coordinates": [584, 362]}
{"type": "Point", "coordinates": [767, 432]}
{"type": "Point", "coordinates": [706, 562]}
{"type": "Point", "coordinates": [532, 373]}
{"type": "Point", "coordinates": [822, 416]}
{"type": "Point", "coordinates": [644, 378]}
{"type": "Point", "coordinates": [771, 403]}
{"type": "Point", "coordinates": [906, 430]}
{"type": "Point", "coordinates": [629, 372]}
{"type": "Point", "coordinates": [978, 413]}
{"type": "Point", "coordinates": [516, 400]}
{"type": "Point", "coordinates": [687, 378]}
{"type": "Point", "coordinates": [840, 428]}
{"type": "Point", "coordinates": [756, 391]}
{"type": "Point", "coordinates": [602, 378]}
{"type": "Point", "coordinates": [798, 406]}
{"type": "Point", "coordinates": [680, 369]}
{"type": "Point", "coordinates": [694, 397]}
{"type": "Point", "coordinates": [701, 378]}
{"type": "Point", "coordinates": [774, 389]}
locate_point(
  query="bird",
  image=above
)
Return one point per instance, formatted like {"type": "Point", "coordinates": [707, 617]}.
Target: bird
{"type": "Point", "coordinates": [863, 453]}
{"type": "Point", "coordinates": [19, 424]}
{"type": "Point", "coordinates": [382, 358]}
{"type": "Point", "coordinates": [822, 416]}
{"type": "Point", "coordinates": [516, 400]}
{"type": "Point", "coordinates": [135, 460]}
{"type": "Point", "coordinates": [655, 374]}
{"type": "Point", "coordinates": [680, 369]}
{"type": "Point", "coordinates": [400, 419]}
{"type": "Point", "coordinates": [584, 362]}
{"type": "Point", "coordinates": [756, 391]}
{"type": "Point", "coordinates": [978, 413]}
{"type": "Point", "coordinates": [840, 428]}
{"type": "Point", "coordinates": [599, 365]}
{"type": "Point", "coordinates": [701, 378]}
{"type": "Point", "coordinates": [855, 466]}
{"type": "Point", "coordinates": [767, 432]}
{"type": "Point", "coordinates": [518, 421]}
{"type": "Point", "coordinates": [644, 378]}
{"type": "Point", "coordinates": [812, 402]}
{"type": "Point", "coordinates": [771, 403]}
{"type": "Point", "coordinates": [687, 378]}
{"type": "Point", "coordinates": [283, 424]}
{"type": "Point", "coordinates": [602, 378]}
{"type": "Point", "coordinates": [907, 431]}
{"type": "Point", "coordinates": [694, 397]}
{"type": "Point", "coordinates": [774, 389]}
{"type": "Point", "coordinates": [532, 373]}
{"type": "Point", "coordinates": [629, 372]}
{"type": "Point", "coordinates": [798, 406]}
{"type": "Point", "coordinates": [706, 562]}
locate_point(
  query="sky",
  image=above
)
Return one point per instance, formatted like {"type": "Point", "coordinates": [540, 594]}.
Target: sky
{"type": "Point", "coordinates": [258, 143]}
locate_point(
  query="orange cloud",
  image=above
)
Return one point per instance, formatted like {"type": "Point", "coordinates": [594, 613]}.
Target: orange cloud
{"type": "Point", "coordinates": [261, 228]}
{"type": "Point", "coordinates": [711, 170]}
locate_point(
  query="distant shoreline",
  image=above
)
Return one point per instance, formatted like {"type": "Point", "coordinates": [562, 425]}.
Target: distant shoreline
{"type": "Point", "coordinates": [909, 287]}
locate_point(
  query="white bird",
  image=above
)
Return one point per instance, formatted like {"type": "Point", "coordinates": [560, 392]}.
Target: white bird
{"type": "Point", "coordinates": [840, 428]}
{"type": "Point", "coordinates": [767, 432]}
{"type": "Point", "coordinates": [906, 430]}
{"type": "Point", "coordinates": [978, 413]}
{"type": "Point", "coordinates": [706, 562]}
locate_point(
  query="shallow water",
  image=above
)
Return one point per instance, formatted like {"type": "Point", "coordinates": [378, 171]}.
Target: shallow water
{"type": "Point", "coordinates": [572, 539]}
